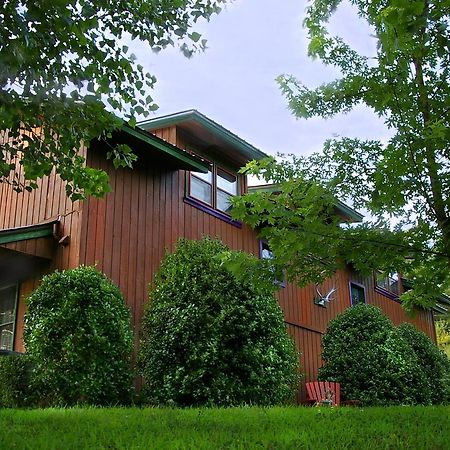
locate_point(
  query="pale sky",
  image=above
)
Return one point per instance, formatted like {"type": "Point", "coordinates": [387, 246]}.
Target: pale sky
{"type": "Point", "coordinates": [233, 82]}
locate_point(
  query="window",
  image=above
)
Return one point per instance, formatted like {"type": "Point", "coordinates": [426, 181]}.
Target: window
{"type": "Point", "coordinates": [215, 188]}
{"type": "Point", "coordinates": [266, 253]}
{"type": "Point", "coordinates": [388, 284]}
{"type": "Point", "coordinates": [8, 297]}
{"type": "Point", "coordinates": [357, 294]}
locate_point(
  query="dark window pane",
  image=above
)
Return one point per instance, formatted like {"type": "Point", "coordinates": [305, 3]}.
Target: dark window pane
{"type": "Point", "coordinates": [357, 294]}
{"type": "Point", "coordinates": [7, 317]}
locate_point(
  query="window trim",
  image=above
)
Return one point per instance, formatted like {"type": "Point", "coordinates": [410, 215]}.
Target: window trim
{"type": "Point", "coordinates": [16, 304]}
{"type": "Point", "coordinates": [355, 283]}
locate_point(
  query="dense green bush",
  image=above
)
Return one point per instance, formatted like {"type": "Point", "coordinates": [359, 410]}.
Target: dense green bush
{"type": "Point", "coordinates": [14, 380]}
{"type": "Point", "coordinates": [78, 336]}
{"type": "Point", "coordinates": [210, 338]}
{"type": "Point", "coordinates": [365, 353]}
{"type": "Point", "coordinates": [433, 363]}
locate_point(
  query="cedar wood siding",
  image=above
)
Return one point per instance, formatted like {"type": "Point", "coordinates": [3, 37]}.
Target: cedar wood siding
{"type": "Point", "coordinates": [27, 208]}
{"type": "Point", "coordinates": [127, 233]}
{"type": "Point", "coordinates": [127, 240]}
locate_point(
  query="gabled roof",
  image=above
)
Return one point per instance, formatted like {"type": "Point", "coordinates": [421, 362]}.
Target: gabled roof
{"type": "Point", "coordinates": [196, 123]}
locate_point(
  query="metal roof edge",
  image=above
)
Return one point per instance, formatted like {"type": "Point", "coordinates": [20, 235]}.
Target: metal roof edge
{"type": "Point", "coordinates": [248, 149]}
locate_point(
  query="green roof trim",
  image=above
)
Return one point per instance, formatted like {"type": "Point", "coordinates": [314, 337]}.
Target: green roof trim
{"type": "Point", "coordinates": [247, 149]}
{"type": "Point", "coordinates": [189, 162]}
{"type": "Point", "coordinates": [29, 232]}
{"type": "Point", "coordinates": [352, 214]}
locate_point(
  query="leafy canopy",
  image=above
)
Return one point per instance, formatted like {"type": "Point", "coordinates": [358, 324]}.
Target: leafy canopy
{"type": "Point", "coordinates": [61, 62]}
{"type": "Point", "coordinates": [405, 181]}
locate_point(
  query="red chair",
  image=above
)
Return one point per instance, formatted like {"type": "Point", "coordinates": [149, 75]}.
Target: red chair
{"type": "Point", "coordinates": [323, 392]}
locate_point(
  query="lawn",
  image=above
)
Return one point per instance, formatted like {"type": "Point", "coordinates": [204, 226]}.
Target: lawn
{"type": "Point", "coordinates": [234, 428]}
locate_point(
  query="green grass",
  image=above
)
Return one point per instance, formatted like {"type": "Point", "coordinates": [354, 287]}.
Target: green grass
{"type": "Point", "coordinates": [234, 428]}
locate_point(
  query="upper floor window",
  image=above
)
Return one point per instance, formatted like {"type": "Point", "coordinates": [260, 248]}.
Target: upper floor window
{"type": "Point", "coordinates": [215, 188]}
{"type": "Point", "coordinates": [389, 284]}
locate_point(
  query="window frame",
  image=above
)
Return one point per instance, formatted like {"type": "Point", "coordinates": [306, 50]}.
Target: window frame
{"type": "Point", "coordinates": [14, 321]}
{"type": "Point", "coordinates": [387, 292]}
{"type": "Point", "coordinates": [262, 243]}
{"type": "Point", "coordinates": [360, 286]}
{"type": "Point", "coordinates": [212, 208]}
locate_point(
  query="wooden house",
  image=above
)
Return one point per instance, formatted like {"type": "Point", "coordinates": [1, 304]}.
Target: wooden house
{"type": "Point", "coordinates": [187, 170]}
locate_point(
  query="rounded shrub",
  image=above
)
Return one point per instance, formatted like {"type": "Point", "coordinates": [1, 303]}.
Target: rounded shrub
{"type": "Point", "coordinates": [364, 352]}
{"type": "Point", "coordinates": [78, 336]}
{"type": "Point", "coordinates": [210, 338]}
{"type": "Point", "coordinates": [433, 363]}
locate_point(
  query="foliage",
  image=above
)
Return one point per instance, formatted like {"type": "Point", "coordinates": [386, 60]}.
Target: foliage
{"type": "Point", "coordinates": [443, 334]}
{"type": "Point", "coordinates": [365, 353]}
{"type": "Point", "coordinates": [62, 62]}
{"type": "Point", "coordinates": [210, 338]}
{"type": "Point", "coordinates": [405, 179]}
{"type": "Point", "coordinates": [78, 336]}
{"type": "Point", "coordinates": [433, 363]}
{"type": "Point", "coordinates": [400, 428]}
{"type": "Point", "coordinates": [14, 380]}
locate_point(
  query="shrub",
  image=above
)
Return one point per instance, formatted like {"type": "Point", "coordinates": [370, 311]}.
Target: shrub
{"type": "Point", "coordinates": [365, 353]}
{"type": "Point", "coordinates": [433, 363]}
{"type": "Point", "coordinates": [14, 380]}
{"type": "Point", "coordinates": [210, 338]}
{"type": "Point", "coordinates": [78, 335]}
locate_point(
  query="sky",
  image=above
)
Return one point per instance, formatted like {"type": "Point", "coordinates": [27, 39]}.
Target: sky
{"type": "Point", "coordinates": [250, 43]}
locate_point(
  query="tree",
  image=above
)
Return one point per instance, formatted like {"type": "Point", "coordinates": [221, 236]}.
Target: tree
{"type": "Point", "coordinates": [405, 181]}
{"type": "Point", "coordinates": [210, 338]}
{"type": "Point", "coordinates": [61, 63]}
{"type": "Point", "coordinates": [443, 333]}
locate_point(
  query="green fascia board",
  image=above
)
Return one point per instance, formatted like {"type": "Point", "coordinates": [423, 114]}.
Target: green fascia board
{"type": "Point", "coordinates": [246, 148]}
{"type": "Point", "coordinates": [25, 233]}
{"type": "Point", "coordinates": [190, 162]}
{"type": "Point", "coordinates": [355, 216]}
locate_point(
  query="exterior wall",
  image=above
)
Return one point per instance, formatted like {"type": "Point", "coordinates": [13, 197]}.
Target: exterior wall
{"type": "Point", "coordinates": [127, 239]}
{"type": "Point", "coordinates": [27, 208]}
{"type": "Point", "coordinates": [127, 233]}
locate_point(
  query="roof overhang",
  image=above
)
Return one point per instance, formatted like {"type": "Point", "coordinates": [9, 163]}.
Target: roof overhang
{"type": "Point", "coordinates": [24, 251]}
{"type": "Point", "coordinates": [140, 140]}
{"type": "Point", "coordinates": [40, 230]}
{"type": "Point", "coordinates": [199, 125]}
{"type": "Point", "coordinates": [16, 266]}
